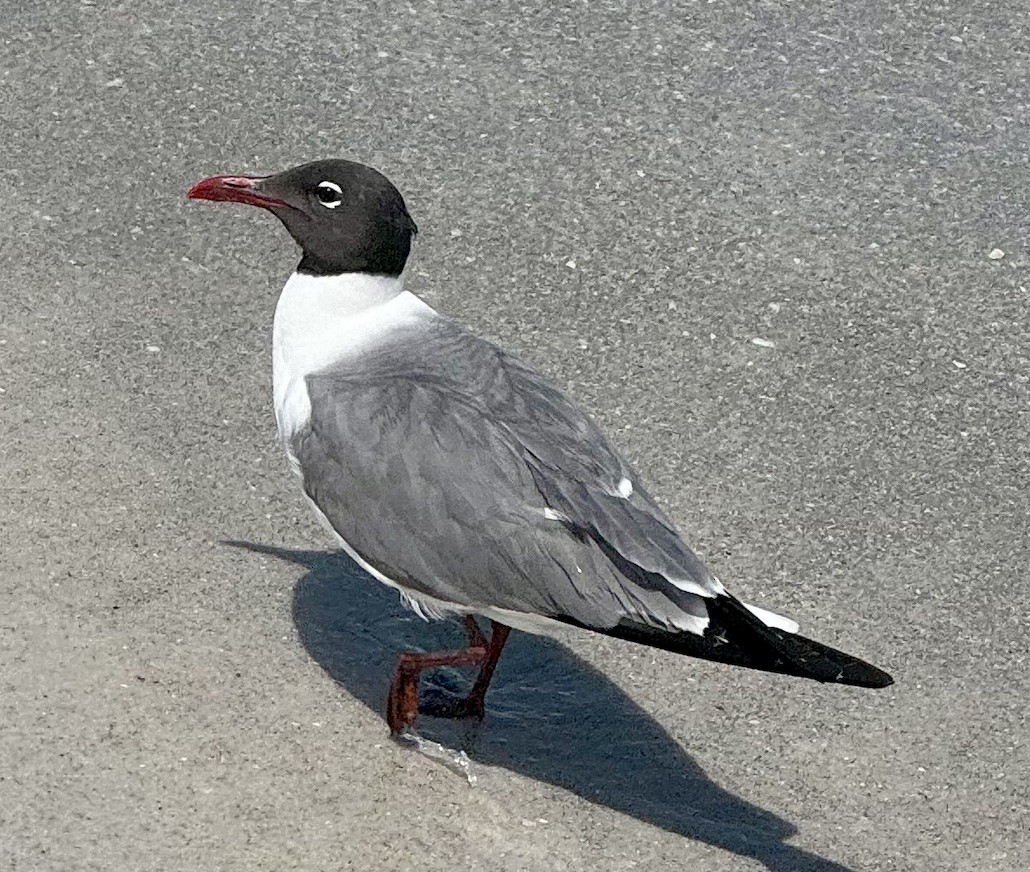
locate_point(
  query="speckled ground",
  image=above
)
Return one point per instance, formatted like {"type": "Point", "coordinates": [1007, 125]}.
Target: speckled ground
{"type": "Point", "coordinates": [780, 252]}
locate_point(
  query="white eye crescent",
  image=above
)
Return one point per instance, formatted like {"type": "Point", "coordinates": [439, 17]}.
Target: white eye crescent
{"type": "Point", "coordinates": [329, 194]}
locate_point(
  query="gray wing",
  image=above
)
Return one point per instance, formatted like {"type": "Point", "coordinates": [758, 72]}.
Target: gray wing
{"type": "Point", "coordinates": [435, 460]}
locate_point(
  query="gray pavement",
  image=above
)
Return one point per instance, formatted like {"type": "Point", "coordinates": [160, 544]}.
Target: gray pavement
{"type": "Point", "coordinates": [629, 195]}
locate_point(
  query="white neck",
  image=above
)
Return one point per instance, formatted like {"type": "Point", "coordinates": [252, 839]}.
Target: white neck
{"type": "Point", "coordinates": [323, 320]}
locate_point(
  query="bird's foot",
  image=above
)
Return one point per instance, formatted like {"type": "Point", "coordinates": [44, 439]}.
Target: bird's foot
{"type": "Point", "coordinates": [402, 705]}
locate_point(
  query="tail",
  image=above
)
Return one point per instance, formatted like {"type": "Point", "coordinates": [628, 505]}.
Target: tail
{"type": "Point", "coordinates": [736, 636]}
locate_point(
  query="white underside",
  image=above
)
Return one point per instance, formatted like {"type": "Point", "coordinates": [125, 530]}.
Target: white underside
{"type": "Point", "coordinates": [322, 320]}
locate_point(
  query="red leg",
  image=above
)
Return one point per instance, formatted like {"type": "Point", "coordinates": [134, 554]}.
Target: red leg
{"type": "Point", "coordinates": [475, 702]}
{"type": "Point", "coordinates": [402, 704]}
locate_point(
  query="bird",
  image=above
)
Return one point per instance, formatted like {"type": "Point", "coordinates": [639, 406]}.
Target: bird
{"type": "Point", "coordinates": [457, 474]}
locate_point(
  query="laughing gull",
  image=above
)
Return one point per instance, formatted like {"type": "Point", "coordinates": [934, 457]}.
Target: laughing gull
{"type": "Point", "coordinates": [458, 475]}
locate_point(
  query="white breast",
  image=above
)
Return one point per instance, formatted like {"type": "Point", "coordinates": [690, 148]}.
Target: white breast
{"type": "Point", "coordinates": [321, 320]}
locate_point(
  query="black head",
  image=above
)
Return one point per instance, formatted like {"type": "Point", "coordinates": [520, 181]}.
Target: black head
{"type": "Point", "coordinates": [346, 217]}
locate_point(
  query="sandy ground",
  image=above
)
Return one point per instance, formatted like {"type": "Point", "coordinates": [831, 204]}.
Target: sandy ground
{"type": "Point", "coordinates": [630, 195]}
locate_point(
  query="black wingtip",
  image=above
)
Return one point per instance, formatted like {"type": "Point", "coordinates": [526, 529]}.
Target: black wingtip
{"type": "Point", "coordinates": [789, 652]}
{"type": "Point", "coordinates": [850, 670]}
{"type": "Point", "coordinates": [737, 637]}
{"type": "Point", "coordinates": [877, 678]}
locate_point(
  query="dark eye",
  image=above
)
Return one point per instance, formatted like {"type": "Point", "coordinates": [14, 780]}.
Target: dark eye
{"type": "Point", "coordinates": [329, 194]}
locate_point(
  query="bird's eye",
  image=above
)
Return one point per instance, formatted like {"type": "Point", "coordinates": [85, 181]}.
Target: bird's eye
{"type": "Point", "coordinates": [329, 194]}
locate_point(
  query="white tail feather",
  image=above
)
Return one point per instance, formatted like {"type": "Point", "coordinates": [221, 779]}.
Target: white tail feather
{"type": "Point", "coordinates": [771, 619]}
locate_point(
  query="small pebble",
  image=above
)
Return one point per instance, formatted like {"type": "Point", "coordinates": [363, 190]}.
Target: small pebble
{"type": "Point", "coordinates": [996, 254]}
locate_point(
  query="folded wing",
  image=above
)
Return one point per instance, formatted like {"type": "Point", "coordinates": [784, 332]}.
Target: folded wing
{"type": "Point", "coordinates": [465, 477]}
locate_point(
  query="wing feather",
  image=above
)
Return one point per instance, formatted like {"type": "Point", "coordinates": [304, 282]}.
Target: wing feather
{"type": "Point", "coordinates": [436, 468]}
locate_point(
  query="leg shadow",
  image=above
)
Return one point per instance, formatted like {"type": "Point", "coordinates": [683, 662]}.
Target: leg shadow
{"type": "Point", "coordinates": [550, 715]}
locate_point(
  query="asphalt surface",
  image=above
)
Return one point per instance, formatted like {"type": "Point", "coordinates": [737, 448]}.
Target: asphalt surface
{"type": "Point", "coordinates": [630, 195]}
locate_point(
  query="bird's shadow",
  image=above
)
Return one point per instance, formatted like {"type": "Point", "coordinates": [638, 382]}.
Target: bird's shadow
{"type": "Point", "coordinates": [550, 715]}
